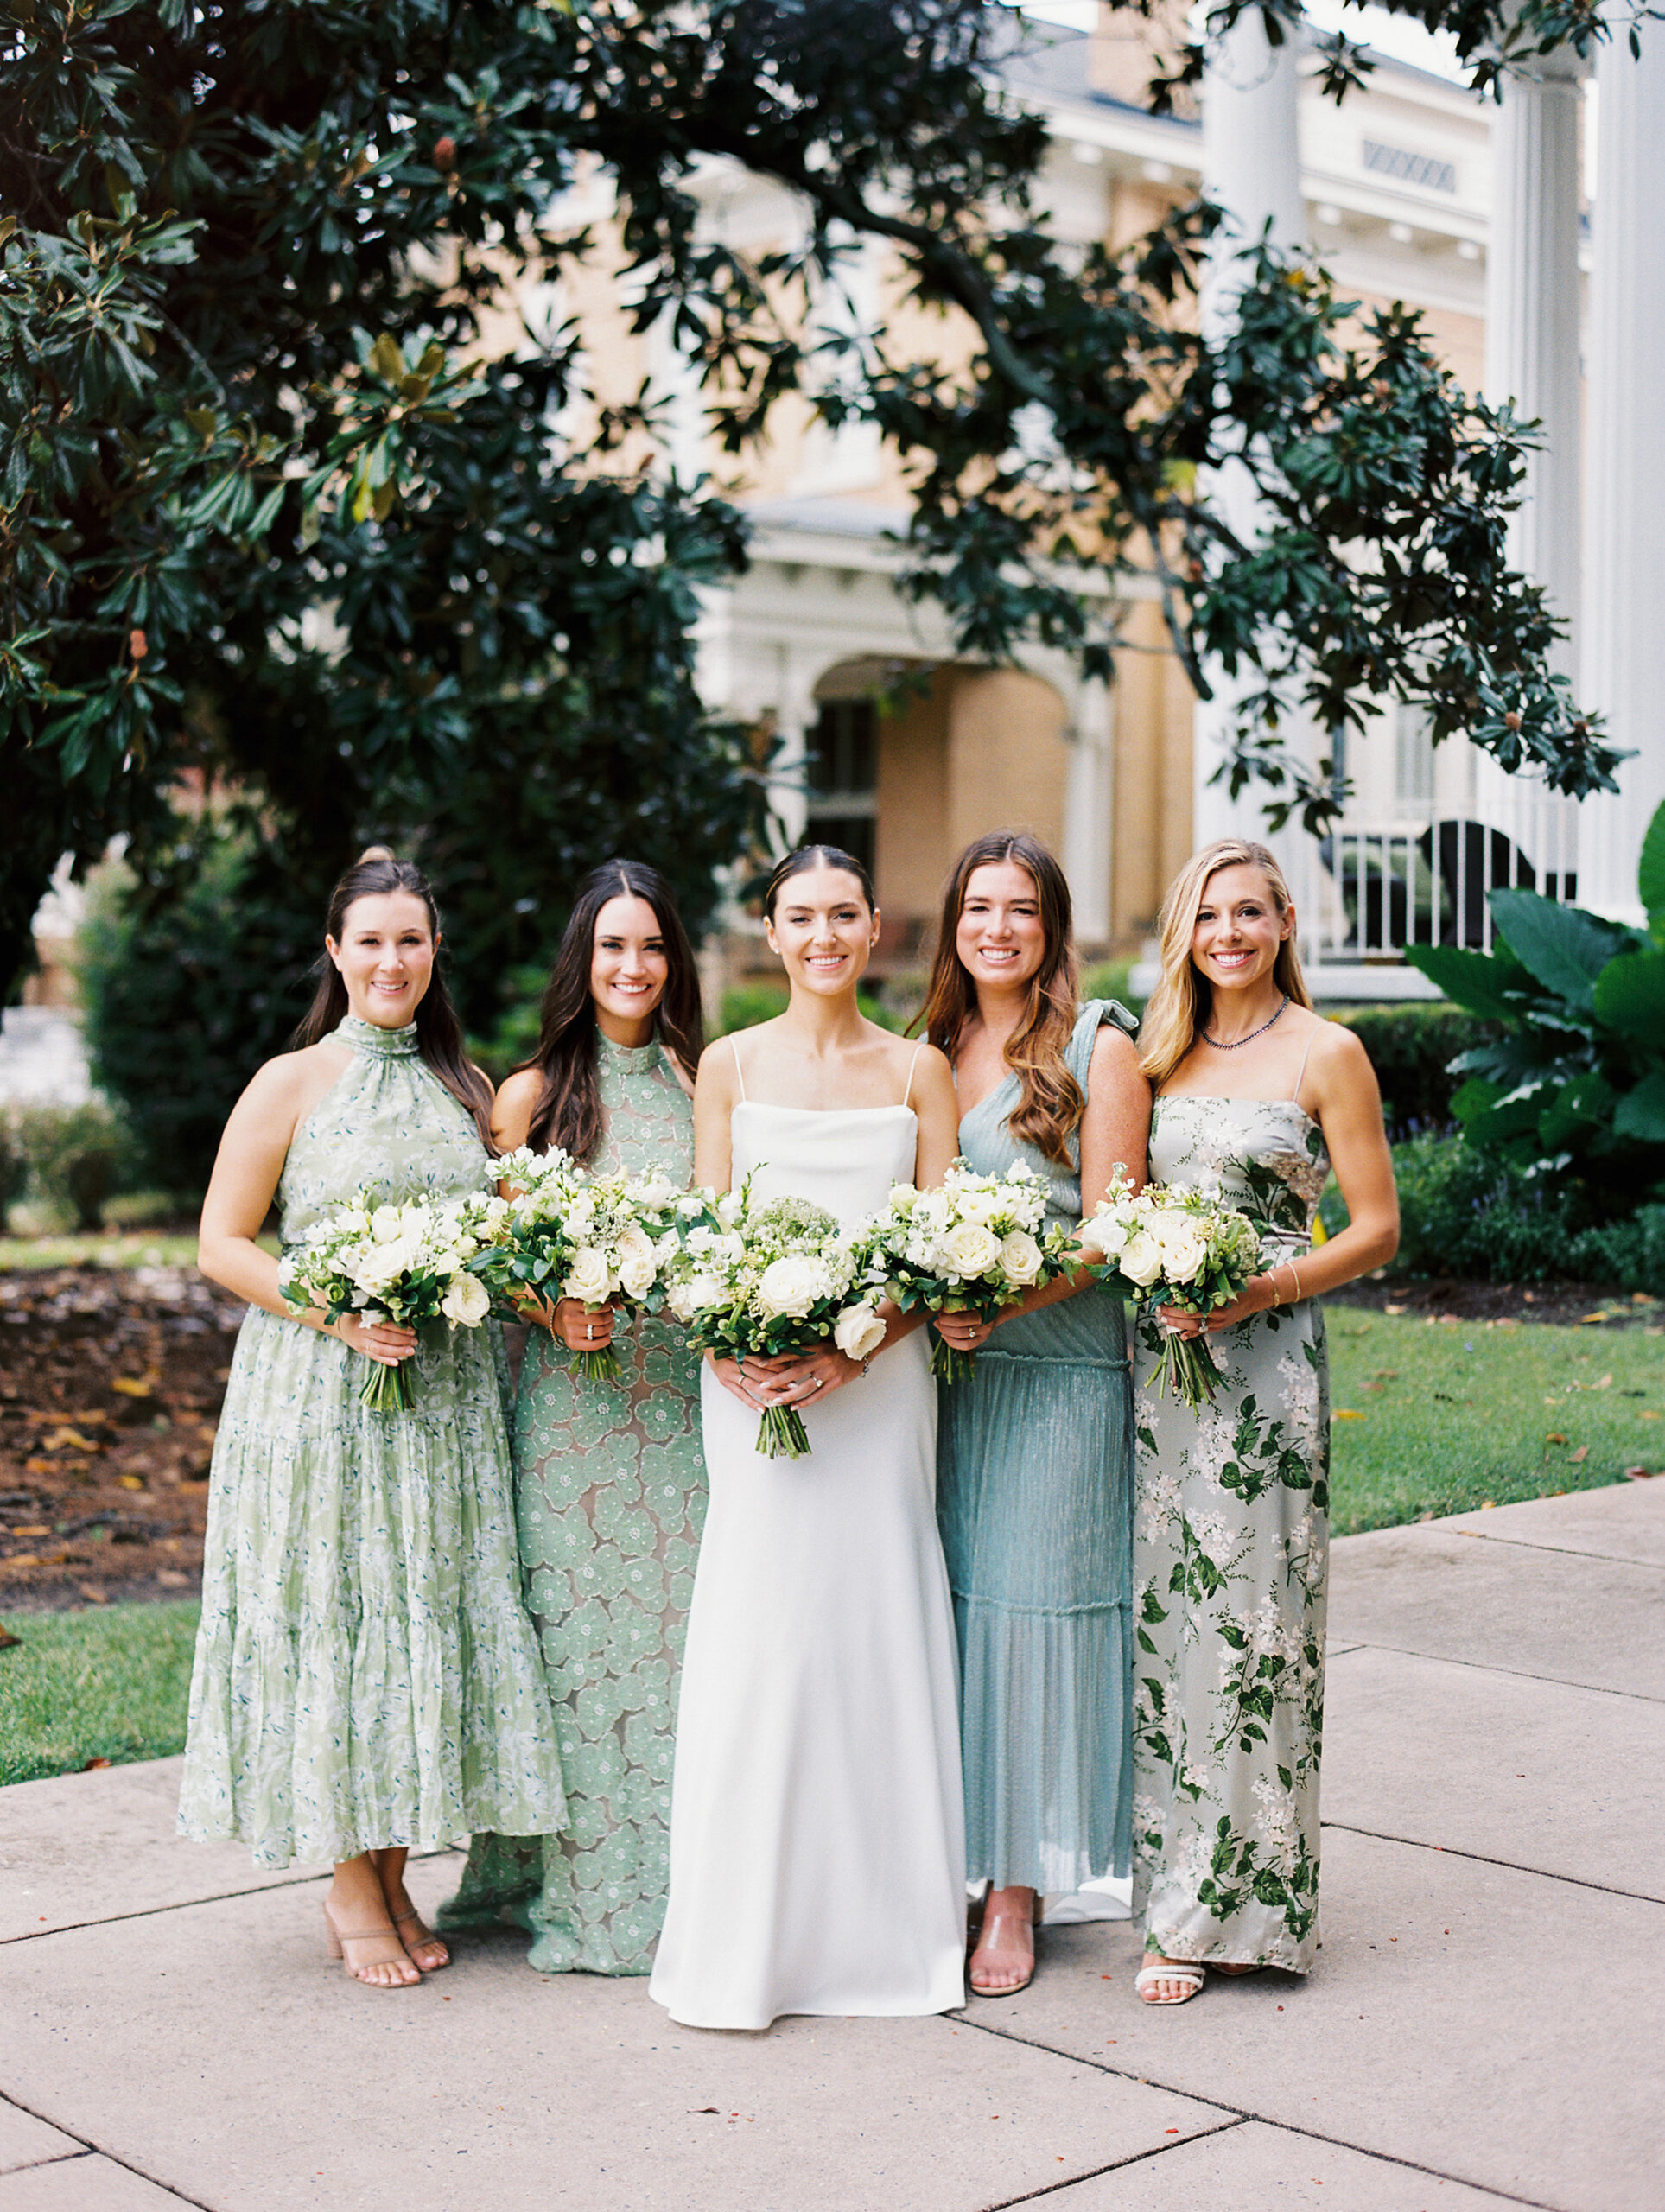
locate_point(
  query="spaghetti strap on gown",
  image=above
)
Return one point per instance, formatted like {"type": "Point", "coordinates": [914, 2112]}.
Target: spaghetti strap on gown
{"type": "Point", "coordinates": [816, 1841]}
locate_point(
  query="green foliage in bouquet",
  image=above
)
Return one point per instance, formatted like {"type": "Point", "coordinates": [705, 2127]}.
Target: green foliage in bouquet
{"type": "Point", "coordinates": [1574, 1088]}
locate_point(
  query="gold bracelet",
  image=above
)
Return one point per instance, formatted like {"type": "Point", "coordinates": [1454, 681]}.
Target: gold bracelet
{"type": "Point", "coordinates": [1295, 1278]}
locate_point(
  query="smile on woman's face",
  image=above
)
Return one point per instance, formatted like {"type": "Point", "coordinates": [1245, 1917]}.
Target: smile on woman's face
{"type": "Point", "coordinates": [628, 970]}
{"type": "Point", "coordinates": [1238, 929]}
{"type": "Point", "coordinates": [1000, 937]}
{"type": "Point", "coordinates": [386, 956]}
{"type": "Point", "coordinates": [824, 929]}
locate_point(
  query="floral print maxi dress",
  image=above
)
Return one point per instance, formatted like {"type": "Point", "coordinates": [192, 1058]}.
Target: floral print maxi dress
{"type": "Point", "coordinates": [610, 1488]}
{"type": "Point", "coordinates": [366, 1674]}
{"type": "Point", "coordinates": [1231, 1546]}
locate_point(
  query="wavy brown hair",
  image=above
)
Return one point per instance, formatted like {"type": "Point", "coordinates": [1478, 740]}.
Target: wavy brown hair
{"type": "Point", "coordinates": [1183, 1001]}
{"type": "Point", "coordinates": [376, 873]}
{"type": "Point", "coordinates": [1051, 1103]}
{"type": "Point", "coordinates": [568, 1108]}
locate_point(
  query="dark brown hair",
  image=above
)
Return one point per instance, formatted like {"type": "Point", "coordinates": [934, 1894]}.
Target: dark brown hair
{"type": "Point", "coordinates": [808, 857]}
{"type": "Point", "coordinates": [1051, 1104]}
{"type": "Point", "coordinates": [568, 1108]}
{"type": "Point", "coordinates": [376, 873]}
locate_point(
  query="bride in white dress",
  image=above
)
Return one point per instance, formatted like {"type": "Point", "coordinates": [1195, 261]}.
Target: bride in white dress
{"type": "Point", "coordinates": [816, 1840]}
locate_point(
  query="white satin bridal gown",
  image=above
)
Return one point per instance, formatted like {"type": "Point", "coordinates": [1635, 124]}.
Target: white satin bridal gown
{"type": "Point", "coordinates": [816, 1825]}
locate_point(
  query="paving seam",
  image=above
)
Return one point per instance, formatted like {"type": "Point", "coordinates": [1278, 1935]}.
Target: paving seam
{"type": "Point", "coordinates": [1241, 2113]}
{"type": "Point", "coordinates": [1115, 2166]}
{"type": "Point", "coordinates": [1484, 1858]}
{"type": "Point", "coordinates": [1515, 1674]}
{"type": "Point", "coordinates": [92, 2150]}
{"type": "Point", "coordinates": [1562, 1551]}
{"type": "Point", "coordinates": [186, 1904]}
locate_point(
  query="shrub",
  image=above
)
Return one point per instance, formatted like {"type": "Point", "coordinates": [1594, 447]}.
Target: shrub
{"type": "Point", "coordinates": [1412, 1047]}
{"type": "Point", "coordinates": [1466, 1213]}
{"type": "Point", "coordinates": [186, 995]}
{"type": "Point", "coordinates": [75, 1156]}
{"type": "Point", "coordinates": [14, 1166]}
{"type": "Point", "coordinates": [1111, 979]}
{"type": "Point", "coordinates": [1574, 1086]}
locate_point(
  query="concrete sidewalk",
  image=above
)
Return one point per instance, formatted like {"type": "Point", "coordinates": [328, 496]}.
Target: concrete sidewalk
{"type": "Point", "coordinates": [1486, 2025]}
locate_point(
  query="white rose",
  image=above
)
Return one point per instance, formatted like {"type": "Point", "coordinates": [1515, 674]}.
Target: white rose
{"type": "Point", "coordinates": [589, 1278]}
{"type": "Point", "coordinates": [1020, 1256]}
{"type": "Point", "coordinates": [637, 1272]}
{"type": "Point", "coordinates": [634, 1242]}
{"type": "Point", "coordinates": [385, 1223]}
{"type": "Point", "coordinates": [971, 1249]}
{"type": "Point", "coordinates": [1183, 1251]}
{"type": "Point", "coordinates": [1142, 1258]}
{"type": "Point", "coordinates": [383, 1265]}
{"type": "Point", "coordinates": [467, 1301]}
{"type": "Point", "coordinates": [977, 1206]}
{"type": "Point", "coordinates": [858, 1331]}
{"type": "Point", "coordinates": [789, 1285]}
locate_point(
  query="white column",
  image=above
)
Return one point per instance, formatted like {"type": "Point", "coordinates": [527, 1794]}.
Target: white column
{"type": "Point", "coordinates": [1089, 805]}
{"type": "Point", "coordinates": [1251, 166]}
{"type": "Point", "coordinates": [1532, 358]}
{"type": "Point", "coordinates": [1622, 628]}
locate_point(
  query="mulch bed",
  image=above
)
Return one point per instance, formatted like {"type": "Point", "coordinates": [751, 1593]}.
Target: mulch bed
{"type": "Point", "coordinates": [1569, 1304]}
{"type": "Point", "coordinates": [110, 1381]}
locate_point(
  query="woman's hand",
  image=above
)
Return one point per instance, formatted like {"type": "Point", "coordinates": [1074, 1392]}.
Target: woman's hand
{"type": "Point", "coordinates": [797, 1379]}
{"type": "Point", "coordinates": [379, 1340]}
{"type": "Point", "coordinates": [967, 1331]}
{"type": "Point", "coordinates": [580, 1327]}
{"type": "Point", "coordinates": [1259, 1293]}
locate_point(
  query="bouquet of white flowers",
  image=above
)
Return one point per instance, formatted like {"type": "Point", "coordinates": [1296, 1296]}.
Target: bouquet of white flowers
{"type": "Point", "coordinates": [409, 1264]}
{"type": "Point", "coordinates": [975, 1246]}
{"type": "Point", "coordinates": [567, 1233]}
{"type": "Point", "coordinates": [771, 1280]}
{"type": "Point", "coordinates": [1174, 1247]}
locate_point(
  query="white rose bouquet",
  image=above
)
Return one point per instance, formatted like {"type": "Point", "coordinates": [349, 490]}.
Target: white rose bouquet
{"type": "Point", "coordinates": [409, 1264]}
{"type": "Point", "coordinates": [567, 1233]}
{"type": "Point", "coordinates": [975, 1246]}
{"type": "Point", "coordinates": [771, 1280]}
{"type": "Point", "coordinates": [1173, 1248]}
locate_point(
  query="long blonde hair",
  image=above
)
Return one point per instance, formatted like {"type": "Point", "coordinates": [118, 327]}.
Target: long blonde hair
{"type": "Point", "coordinates": [1183, 1001]}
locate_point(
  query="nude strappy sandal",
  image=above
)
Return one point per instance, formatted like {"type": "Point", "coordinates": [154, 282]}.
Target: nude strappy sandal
{"type": "Point", "coordinates": [1181, 1970]}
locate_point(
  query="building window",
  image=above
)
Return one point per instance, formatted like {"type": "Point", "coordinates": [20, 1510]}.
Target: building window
{"type": "Point", "coordinates": [1406, 167]}
{"type": "Point", "coordinates": [844, 774]}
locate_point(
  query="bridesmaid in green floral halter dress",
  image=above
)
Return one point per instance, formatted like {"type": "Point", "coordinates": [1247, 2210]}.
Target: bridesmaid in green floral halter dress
{"type": "Point", "coordinates": [366, 1681]}
{"type": "Point", "coordinates": [610, 1477]}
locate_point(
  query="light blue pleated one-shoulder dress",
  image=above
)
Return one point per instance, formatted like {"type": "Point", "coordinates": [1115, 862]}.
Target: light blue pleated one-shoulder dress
{"type": "Point", "coordinates": [1034, 1488]}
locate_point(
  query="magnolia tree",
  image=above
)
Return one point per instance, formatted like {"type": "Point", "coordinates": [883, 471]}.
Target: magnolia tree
{"type": "Point", "coordinates": [270, 524]}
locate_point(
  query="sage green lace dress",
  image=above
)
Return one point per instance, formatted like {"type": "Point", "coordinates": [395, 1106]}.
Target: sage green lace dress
{"type": "Point", "coordinates": [1230, 1547]}
{"type": "Point", "coordinates": [366, 1674]}
{"type": "Point", "coordinates": [610, 1484]}
{"type": "Point", "coordinates": [1035, 1489]}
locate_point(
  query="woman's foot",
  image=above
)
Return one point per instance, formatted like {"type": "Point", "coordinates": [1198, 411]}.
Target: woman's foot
{"type": "Point", "coordinates": [368, 1948]}
{"type": "Point", "coordinates": [1168, 1981]}
{"type": "Point", "coordinates": [1004, 1960]}
{"type": "Point", "coordinates": [426, 1951]}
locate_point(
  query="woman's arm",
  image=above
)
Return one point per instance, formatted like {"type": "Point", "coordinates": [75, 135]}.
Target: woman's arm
{"type": "Point", "coordinates": [240, 1191]}
{"type": "Point", "coordinates": [716, 1093]}
{"type": "Point", "coordinates": [1114, 1134]}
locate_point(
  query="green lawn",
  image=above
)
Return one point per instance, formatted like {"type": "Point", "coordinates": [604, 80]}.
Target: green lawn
{"type": "Point", "coordinates": [1431, 1418]}
{"type": "Point", "coordinates": [108, 1683]}
{"type": "Point", "coordinates": [1437, 1417]}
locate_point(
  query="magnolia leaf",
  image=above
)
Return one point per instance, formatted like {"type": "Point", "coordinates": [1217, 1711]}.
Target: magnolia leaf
{"type": "Point", "coordinates": [387, 359]}
{"type": "Point", "coordinates": [1564, 947]}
